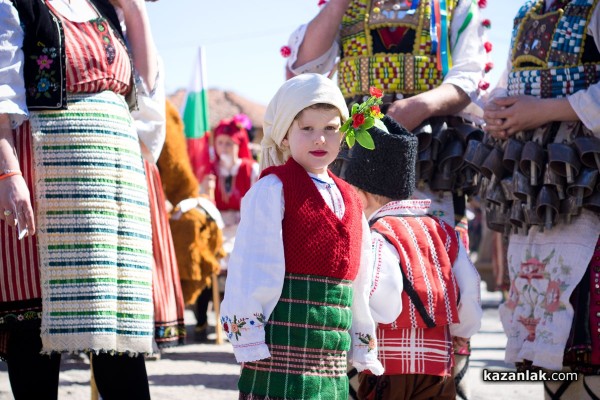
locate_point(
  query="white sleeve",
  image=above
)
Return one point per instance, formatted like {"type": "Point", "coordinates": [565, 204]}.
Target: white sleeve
{"type": "Point", "coordinates": [468, 54]}
{"type": "Point", "coordinates": [585, 102]}
{"type": "Point", "coordinates": [501, 89]}
{"type": "Point", "coordinates": [363, 352]}
{"type": "Point", "coordinates": [469, 306]}
{"type": "Point", "coordinates": [322, 65]}
{"type": "Point", "coordinates": [256, 270]}
{"type": "Point", "coordinates": [255, 173]}
{"type": "Point", "coordinates": [149, 118]}
{"type": "Point", "coordinates": [12, 84]}
{"type": "Point", "coordinates": [386, 281]}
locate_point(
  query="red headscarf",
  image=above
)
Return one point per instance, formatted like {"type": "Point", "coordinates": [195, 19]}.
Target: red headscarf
{"type": "Point", "coordinates": [236, 132]}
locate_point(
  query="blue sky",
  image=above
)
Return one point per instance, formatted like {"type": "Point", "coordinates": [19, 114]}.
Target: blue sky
{"type": "Point", "coordinates": [242, 40]}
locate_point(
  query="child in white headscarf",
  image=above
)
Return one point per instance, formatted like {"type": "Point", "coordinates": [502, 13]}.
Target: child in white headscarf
{"type": "Point", "coordinates": [296, 297]}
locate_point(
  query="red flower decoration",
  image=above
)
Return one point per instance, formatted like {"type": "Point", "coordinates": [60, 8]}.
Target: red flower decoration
{"type": "Point", "coordinates": [483, 85]}
{"type": "Point", "coordinates": [226, 327]}
{"type": "Point", "coordinates": [358, 120]}
{"type": "Point", "coordinates": [488, 67]}
{"type": "Point", "coordinates": [488, 46]}
{"type": "Point", "coordinates": [375, 92]}
{"type": "Point", "coordinates": [285, 51]}
{"type": "Point", "coordinates": [486, 23]}
{"type": "Point", "coordinates": [375, 110]}
{"type": "Point", "coordinates": [322, 2]}
{"type": "Point", "coordinates": [482, 3]}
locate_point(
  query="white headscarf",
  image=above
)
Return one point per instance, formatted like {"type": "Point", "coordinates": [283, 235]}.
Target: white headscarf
{"type": "Point", "coordinates": [292, 97]}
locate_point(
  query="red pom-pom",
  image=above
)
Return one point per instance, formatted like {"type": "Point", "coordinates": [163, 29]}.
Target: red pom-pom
{"type": "Point", "coordinates": [322, 2]}
{"type": "Point", "coordinates": [486, 23]}
{"type": "Point", "coordinates": [285, 51]}
{"type": "Point", "coordinates": [488, 67]}
{"type": "Point", "coordinates": [487, 46]}
{"type": "Point", "coordinates": [482, 3]}
{"type": "Point", "coordinates": [483, 85]}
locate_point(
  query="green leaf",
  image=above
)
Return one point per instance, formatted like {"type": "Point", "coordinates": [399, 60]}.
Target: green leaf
{"type": "Point", "coordinates": [365, 140]}
{"type": "Point", "coordinates": [350, 140]}
{"type": "Point", "coordinates": [346, 125]}
{"type": "Point", "coordinates": [379, 124]}
{"type": "Point", "coordinates": [369, 122]}
{"type": "Point", "coordinates": [354, 108]}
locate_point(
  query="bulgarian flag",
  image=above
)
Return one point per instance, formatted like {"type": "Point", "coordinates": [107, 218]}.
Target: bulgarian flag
{"type": "Point", "coordinates": [195, 119]}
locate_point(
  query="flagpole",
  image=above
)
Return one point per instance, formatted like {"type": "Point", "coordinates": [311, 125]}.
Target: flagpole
{"type": "Point", "coordinates": [203, 85]}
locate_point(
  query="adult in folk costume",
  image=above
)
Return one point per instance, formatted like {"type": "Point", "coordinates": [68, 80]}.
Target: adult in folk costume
{"type": "Point", "coordinates": [428, 80]}
{"type": "Point", "coordinates": [544, 114]}
{"type": "Point", "coordinates": [149, 120]}
{"type": "Point", "coordinates": [73, 175]}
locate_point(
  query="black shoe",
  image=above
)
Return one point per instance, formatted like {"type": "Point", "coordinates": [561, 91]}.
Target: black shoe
{"type": "Point", "coordinates": [201, 333]}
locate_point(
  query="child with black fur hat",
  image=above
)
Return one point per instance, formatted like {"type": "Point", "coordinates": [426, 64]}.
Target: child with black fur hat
{"type": "Point", "coordinates": [440, 286]}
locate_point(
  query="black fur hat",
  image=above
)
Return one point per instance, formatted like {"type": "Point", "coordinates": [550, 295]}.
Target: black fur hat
{"type": "Point", "coordinates": [389, 169]}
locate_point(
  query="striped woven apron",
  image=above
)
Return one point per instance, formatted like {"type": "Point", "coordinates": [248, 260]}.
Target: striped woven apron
{"type": "Point", "coordinates": [308, 341]}
{"type": "Point", "coordinates": [95, 241]}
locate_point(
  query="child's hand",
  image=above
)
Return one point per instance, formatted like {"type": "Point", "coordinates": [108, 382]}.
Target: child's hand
{"type": "Point", "coordinates": [208, 185]}
{"type": "Point", "coordinates": [459, 342]}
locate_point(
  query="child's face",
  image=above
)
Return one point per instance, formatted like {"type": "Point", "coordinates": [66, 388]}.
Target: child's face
{"type": "Point", "coordinates": [314, 138]}
{"type": "Point", "coordinates": [225, 146]}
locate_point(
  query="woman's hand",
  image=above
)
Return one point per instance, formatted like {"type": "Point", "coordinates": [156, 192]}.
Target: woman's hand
{"type": "Point", "coordinates": [493, 126]}
{"type": "Point", "coordinates": [15, 198]}
{"type": "Point", "coordinates": [15, 201]}
{"type": "Point", "coordinates": [505, 116]}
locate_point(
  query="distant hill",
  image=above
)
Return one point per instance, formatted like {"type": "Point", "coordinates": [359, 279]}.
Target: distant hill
{"type": "Point", "coordinates": [225, 104]}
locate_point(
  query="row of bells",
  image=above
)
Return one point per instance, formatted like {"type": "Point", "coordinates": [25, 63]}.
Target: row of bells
{"type": "Point", "coordinates": [525, 183]}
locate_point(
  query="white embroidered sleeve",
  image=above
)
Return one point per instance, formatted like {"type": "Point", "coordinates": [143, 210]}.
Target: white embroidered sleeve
{"type": "Point", "coordinates": [363, 352]}
{"type": "Point", "coordinates": [386, 281]}
{"type": "Point", "coordinates": [149, 118]}
{"type": "Point", "coordinates": [469, 307]}
{"type": "Point", "coordinates": [321, 65]}
{"type": "Point", "coordinates": [12, 85]}
{"type": "Point", "coordinates": [256, 270]}
{"type": "Point", "coordinates": [468, 53]}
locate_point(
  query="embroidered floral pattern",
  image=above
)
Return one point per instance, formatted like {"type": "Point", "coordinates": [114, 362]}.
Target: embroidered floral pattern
{"type": "Point", "coordinates": [45, 80]}
{"type": "Point", "coordinates": [22, 316]}
{"type": "Point", "coordinates": [44, 62]}
{"type": "Point", "coordinates": [102, 28]}
{"type": "Point", "coordinates": [235, 327]}
{"type": "Point", "coordinates": [367, 341]}
{"type": "Point", "coordinates": [536, 291]}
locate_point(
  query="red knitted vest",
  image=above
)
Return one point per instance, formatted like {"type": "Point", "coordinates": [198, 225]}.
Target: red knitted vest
{"type": "Point", "coordinates": [240, 185]}
{"type": "Point", "coordinates": [427, 249]}
{"type": "Point", "coordinates": [315, 240]}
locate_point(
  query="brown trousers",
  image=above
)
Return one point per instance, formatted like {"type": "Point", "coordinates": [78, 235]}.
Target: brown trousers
{"type": "Point", "coordinates": [404, 387]}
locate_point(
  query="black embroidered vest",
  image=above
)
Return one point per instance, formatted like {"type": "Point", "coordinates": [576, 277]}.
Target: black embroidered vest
{"type": "Point", "coordinates": [44, 36]}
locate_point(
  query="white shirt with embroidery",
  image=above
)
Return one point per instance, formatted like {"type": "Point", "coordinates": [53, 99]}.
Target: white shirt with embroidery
{"type": "Point", "coordinates": [256, 271]}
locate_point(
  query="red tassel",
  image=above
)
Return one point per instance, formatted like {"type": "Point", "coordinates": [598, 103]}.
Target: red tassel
{"type": "Point", "coordinates": [482, 3]}
{"type": "Point", "coordinates": [488, 67]}
{"type": "Point", "coordinates": [322, 2]}
{"type": "Point", "coordinates": [285, 51]}
{"type": "Point", "coordinates": [487, 46]}
{"type": "Point", "coordinates": [486, 23]}
{"type": "Point", "coordinates": [483, 85]}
